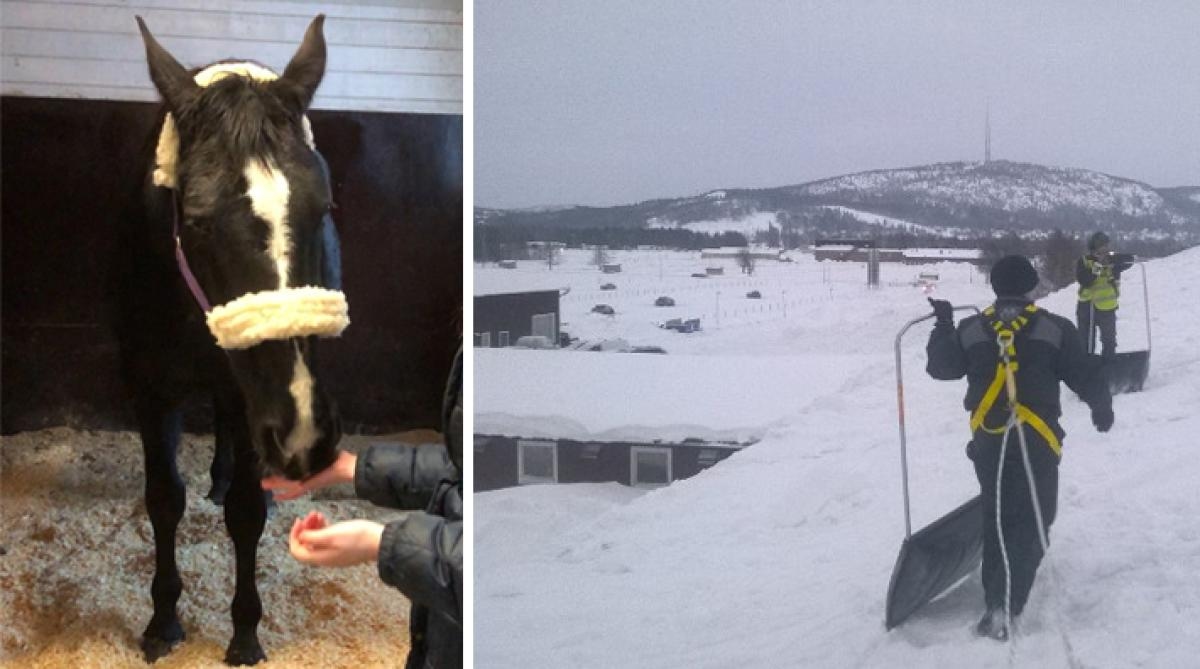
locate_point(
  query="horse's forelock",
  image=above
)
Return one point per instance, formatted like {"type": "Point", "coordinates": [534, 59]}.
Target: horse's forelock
{"type": "Point", "coordinates": [244, 118]}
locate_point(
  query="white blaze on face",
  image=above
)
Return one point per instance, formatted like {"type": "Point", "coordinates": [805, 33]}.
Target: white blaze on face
{"type": "Point", "coordinates": [268, 191]}
{"type": "Point", "coordinates": [304, 433]}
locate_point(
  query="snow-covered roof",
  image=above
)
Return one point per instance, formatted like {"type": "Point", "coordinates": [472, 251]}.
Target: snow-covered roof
{"type": "Point", "coordinates": [637, 396]}
{"type": "Point", "coordinates": [516, 281]}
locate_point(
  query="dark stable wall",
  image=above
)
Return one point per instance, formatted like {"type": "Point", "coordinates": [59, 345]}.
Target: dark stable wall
{"type": "Point", "coordinates": [68, 167]}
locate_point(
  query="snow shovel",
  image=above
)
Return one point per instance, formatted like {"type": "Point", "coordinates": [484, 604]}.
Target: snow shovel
{"type": "Point", "coordinates": [1127, 371]}
{"type": "Point", "coordinates": [939, 556]}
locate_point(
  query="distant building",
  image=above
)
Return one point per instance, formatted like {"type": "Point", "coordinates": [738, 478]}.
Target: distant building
{"type": "Point", "coordinates": [854, 253]}
{"type": "Point", "coordinates": [927, 256]}
{"type": "Point", "coordinates": [545, 250]}
{"type": "Point", "coordinates": [735, 252]}
{"type": "Point", "coordinates": [502, 318]}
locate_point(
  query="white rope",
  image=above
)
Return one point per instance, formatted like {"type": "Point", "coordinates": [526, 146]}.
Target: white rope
{"type": "Point", "coordinates": [1000, 529]}
{"type": "Point", "coordinates": [1043, 539]}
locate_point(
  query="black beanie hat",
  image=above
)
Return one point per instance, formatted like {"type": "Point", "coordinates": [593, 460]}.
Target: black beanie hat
{"type": "Point", "coordinates": [1013, 276]}
{"type": "Point", "coordinates": [1097, 240]}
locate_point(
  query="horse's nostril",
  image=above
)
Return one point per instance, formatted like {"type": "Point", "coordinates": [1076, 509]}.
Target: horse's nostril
{"type": "Point", "coordinates": [294, 471]}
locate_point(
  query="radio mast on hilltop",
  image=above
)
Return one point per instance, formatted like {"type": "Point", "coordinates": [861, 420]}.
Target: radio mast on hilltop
{"type": "Point", "coordinates": [987, 132]}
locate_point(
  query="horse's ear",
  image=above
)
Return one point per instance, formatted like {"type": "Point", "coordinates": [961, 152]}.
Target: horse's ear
{"type": "Point", "coordinates": [170, 78]}
{"type": "Point", "coordinates": [307, 67]}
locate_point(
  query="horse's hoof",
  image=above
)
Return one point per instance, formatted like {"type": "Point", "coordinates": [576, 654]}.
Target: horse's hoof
{"type": "Point", "coordinates": [159, 641]}
{"type": "Point", "coordinates": [244, 652]}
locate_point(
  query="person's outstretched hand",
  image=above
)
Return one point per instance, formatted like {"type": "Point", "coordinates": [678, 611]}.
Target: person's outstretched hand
{"type": "Point", "coordinates": [313, 541]}
{"type": "Point", "coordinates": [341, 471]}
{"type": "Point", "coordinates": [944, 311]}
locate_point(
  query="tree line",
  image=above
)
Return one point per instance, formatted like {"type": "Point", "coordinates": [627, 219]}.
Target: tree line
{"type": "Point", "coordinates": [509, 242]}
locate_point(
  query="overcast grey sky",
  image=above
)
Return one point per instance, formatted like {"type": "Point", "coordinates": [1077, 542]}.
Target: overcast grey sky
{"type": "Point", "coordinates": [615, 101]}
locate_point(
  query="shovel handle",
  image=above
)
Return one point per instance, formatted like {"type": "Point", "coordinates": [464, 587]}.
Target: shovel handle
{"type": "Point", "coordinates": [900, 411]}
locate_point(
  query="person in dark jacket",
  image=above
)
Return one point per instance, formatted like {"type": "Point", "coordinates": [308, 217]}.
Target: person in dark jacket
{"type": "Point", "coordinates": [1048, 350]}
{"type": "Point", "coordinates": [420, 554]}
{"type": "Point", "coordinates": [1099, 277]}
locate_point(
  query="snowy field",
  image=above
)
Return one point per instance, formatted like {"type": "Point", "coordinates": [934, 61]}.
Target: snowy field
{"type": "Point", "coordinates": [781, 555]}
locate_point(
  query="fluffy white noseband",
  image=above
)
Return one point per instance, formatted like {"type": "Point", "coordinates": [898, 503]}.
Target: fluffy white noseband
{"type": "Point", "coordinates": [279, 314]}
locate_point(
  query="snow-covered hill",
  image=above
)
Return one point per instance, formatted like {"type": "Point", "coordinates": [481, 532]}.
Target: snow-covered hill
{"type": "Point", "coordinates": [953, 199]}
{"type": "Point", "coordinates": [781, 554]}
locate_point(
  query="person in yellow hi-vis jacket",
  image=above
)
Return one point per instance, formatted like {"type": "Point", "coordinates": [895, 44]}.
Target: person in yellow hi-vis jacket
{"type": "Point", "coordinates": [1099, 276]}
{"type": "Point", "coordinates": [1014, 354]}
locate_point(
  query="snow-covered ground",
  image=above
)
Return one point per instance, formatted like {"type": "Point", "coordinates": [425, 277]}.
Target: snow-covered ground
{"type": "Point", "coordinates": [781, 554]}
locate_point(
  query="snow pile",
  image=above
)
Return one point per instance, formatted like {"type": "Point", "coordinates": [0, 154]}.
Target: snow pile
{"type": "Point", "coordinates": [781, 554]}
{"type": "Point", "coordinates": [726, 398]}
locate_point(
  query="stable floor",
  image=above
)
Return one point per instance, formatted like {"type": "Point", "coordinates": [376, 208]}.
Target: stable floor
{"type": "Point", "coordinates": [77, 558]}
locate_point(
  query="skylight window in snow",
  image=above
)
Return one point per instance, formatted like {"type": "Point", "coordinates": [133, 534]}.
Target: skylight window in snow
{"type": "Point", "coordinates": [649, 467]}
{"type": "Point", "coordinates": [537, 462]}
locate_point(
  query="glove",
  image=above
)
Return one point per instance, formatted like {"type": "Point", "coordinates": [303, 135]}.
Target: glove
{"type": "Point", "coordinates": [943, 310]}
{"type": "Point", "coordinates": [1102, 419]}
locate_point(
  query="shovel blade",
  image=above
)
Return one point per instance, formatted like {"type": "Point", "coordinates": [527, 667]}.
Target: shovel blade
{"type": "Point", "coordinates": [934, 559]}
{"type": "Point", "coordinates": [1127, 371]}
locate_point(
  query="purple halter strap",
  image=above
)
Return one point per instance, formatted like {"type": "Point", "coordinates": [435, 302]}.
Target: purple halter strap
{"type": "Point", "coordinates": [181, 259]}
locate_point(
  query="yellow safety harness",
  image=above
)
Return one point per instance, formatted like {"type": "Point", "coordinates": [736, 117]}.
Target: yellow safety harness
{"type": "Point", "coordinates": [1006, 370]}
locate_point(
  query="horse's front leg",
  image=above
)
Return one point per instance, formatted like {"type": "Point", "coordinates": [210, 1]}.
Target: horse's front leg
{"type": "Point", "coordinates": [165, 500]}
{"type": "Point", "coordinates": [245, 515]}
{"type": "Point", "coordinates": [225, 416]}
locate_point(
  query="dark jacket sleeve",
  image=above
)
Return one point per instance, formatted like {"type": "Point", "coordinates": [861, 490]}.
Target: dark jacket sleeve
{"type": "Point", "coordinates": [401, 476]}
{"type": "Point", "coordinates": [1121, 262]}
{"type": "Point", "coordinates": [421, 556]}
{"type": "Point", "coordinates": [1083, 373]}
{"type": "Point", "coordinates": [1084, 275]}
{"type": "Point", "coordinates": [946, 360]}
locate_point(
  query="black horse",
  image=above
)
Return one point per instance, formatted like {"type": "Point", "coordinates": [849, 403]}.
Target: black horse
{"type": "Point", "coordinates": [221, 296]}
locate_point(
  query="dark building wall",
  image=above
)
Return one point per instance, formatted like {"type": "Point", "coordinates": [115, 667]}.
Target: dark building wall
{"type": "Point", "coordinates": [68, 168]}
{"type": "Point", "coordinates": [496, 461]}
{"type": "Point", "coordinates": [513, 312]}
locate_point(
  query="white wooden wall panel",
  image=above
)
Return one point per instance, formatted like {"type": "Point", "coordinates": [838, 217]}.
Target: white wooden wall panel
{"type": "Point", "coordinates": [400, 57]}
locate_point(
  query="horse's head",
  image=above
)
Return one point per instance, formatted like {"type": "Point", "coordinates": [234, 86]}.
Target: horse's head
{"type": "Point", "coordinates": [251, 198]}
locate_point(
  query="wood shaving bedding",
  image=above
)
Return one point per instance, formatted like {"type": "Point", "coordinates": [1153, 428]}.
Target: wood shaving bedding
{"type": "Point", "coordinates": [77, 558]}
